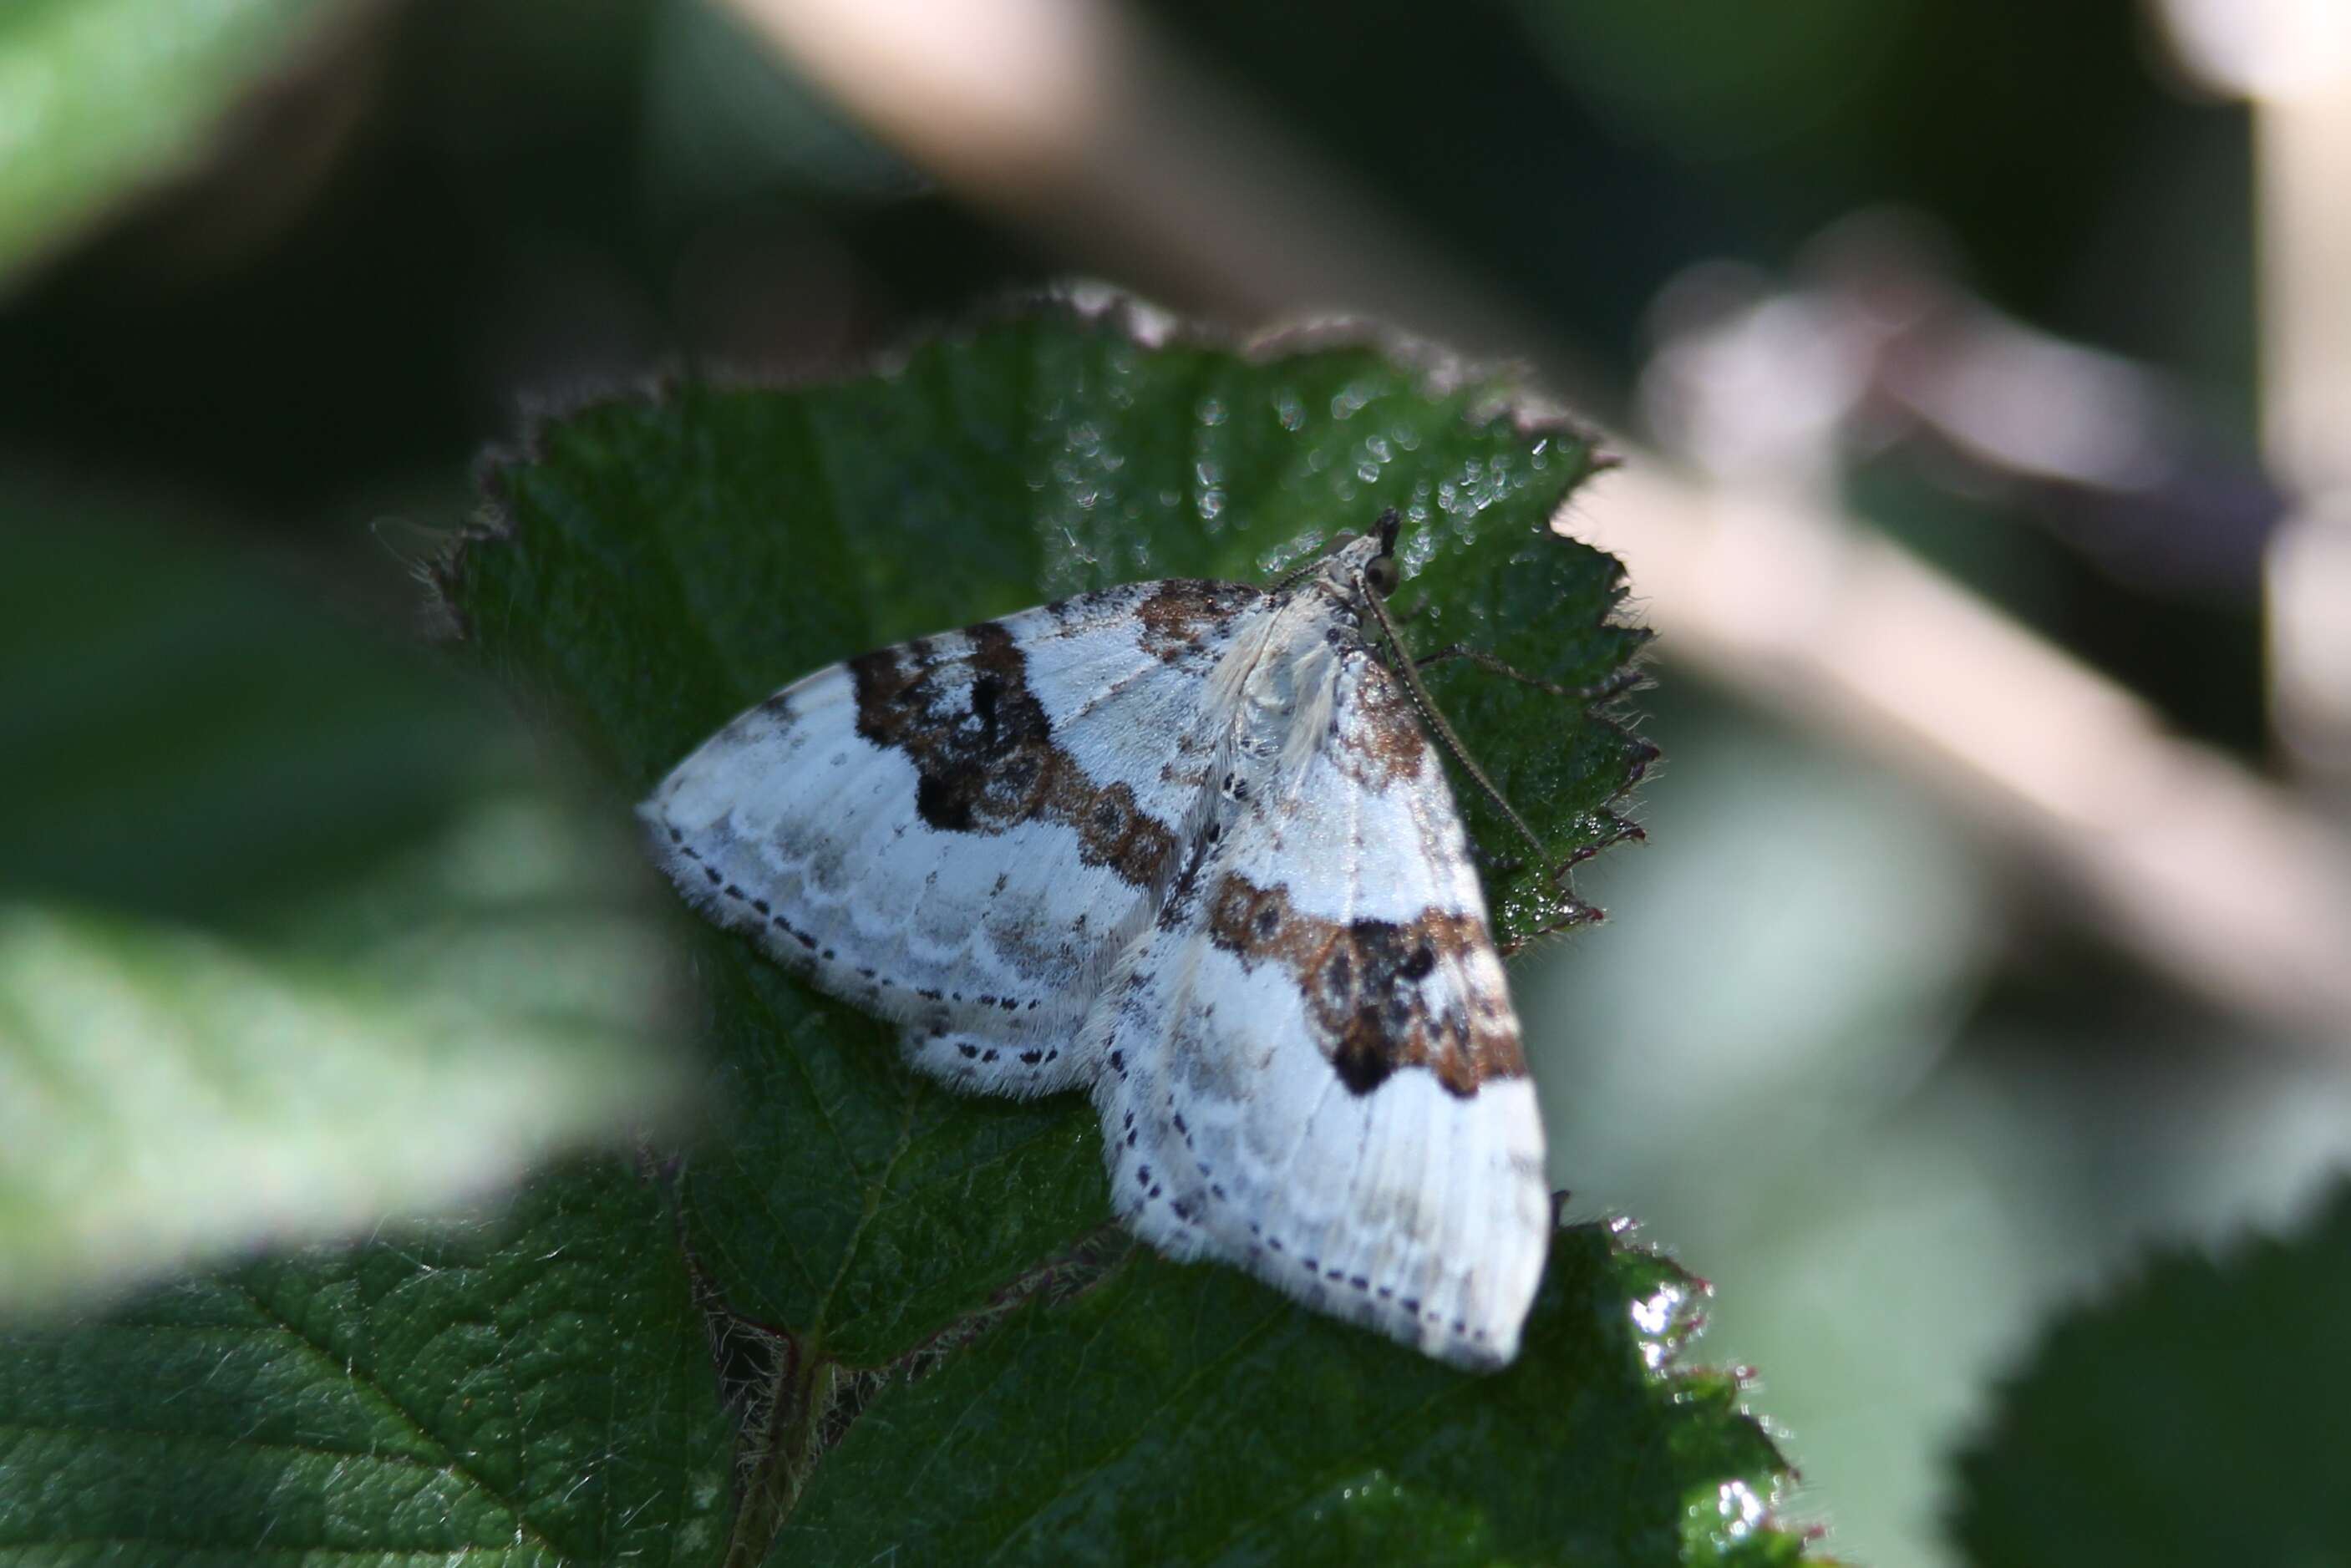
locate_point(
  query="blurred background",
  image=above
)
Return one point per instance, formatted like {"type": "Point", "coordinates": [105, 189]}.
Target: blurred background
{"type": "Point", "coordinates": [1983, 371]}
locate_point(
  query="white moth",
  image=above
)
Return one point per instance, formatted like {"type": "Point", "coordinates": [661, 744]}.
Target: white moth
{"type": "Point", "coordinates": [1184, 845]}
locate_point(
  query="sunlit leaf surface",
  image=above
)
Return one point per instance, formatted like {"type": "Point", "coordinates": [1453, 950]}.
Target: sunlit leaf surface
{"type": "Point", "coordinates": [98, 97]}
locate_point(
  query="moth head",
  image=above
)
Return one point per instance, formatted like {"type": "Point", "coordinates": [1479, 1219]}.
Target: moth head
{"type": "Point", "coordinates": [1380, 573]}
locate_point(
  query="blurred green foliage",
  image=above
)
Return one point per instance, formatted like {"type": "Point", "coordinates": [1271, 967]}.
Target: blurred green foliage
{"type": "Point", "coordinates": [295, 931]}
{"type": "Point", "coordinates": [2195, 1415]}
{"type": "Point", "coordinates": [530, 1385]}
{"type": "Point", "coordinates": [101, 99]}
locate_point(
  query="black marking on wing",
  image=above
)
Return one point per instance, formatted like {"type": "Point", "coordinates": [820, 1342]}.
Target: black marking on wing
{"type": "Point", "coordinates": [985, 756]}
{"type": "Point", "coordinates": [1362, 981]}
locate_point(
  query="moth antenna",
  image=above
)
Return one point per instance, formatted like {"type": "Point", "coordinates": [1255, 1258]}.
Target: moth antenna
{"type": "Point", "coordinates": [1427, 704]}
{"type": "Point", "coordinates": [1304, 570]}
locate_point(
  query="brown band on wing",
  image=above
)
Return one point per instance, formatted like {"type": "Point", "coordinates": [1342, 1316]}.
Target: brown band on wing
{"type": "Point", "coordinates": [1177, 614]}
{"type": "Point", "coordinates": [1381, 742]}
{"type": "Point", "coordinates": [1363, 985]}
{"type": "Point", "coordinates": [985, 757]}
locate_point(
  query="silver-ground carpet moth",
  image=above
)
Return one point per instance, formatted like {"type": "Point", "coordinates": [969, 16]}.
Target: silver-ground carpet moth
{"type": "Point", "coordinates": [1187, 846]}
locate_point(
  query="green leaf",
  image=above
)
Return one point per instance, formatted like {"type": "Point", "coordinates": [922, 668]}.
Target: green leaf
{"type": "Point", "coordinates": [292, 931]}
{"type": "Point", "coordinates": [531, 1387]}
{"type": "Point", "coordinates": [1515, 595]}
{"type": "Point", "coordinates": [655, 566]}
{"type": "Point", "coordinates": [1194, 1416]}
{"type": "Point", "coordinates": [101, 97]}
{"type": "Point", "coordinates": [666, 564]}
{"type": "Point", "coordinates": [2196, 1416]}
